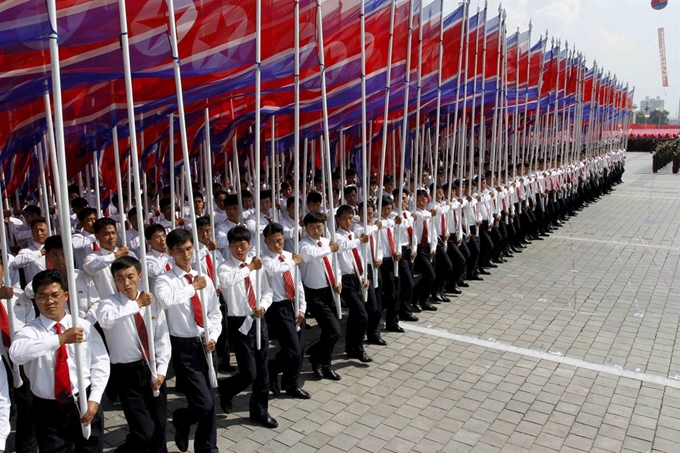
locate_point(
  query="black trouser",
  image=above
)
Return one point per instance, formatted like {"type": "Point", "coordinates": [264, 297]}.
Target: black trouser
{"type": "Point", "coordinates": [498, 242]}
{"type": "Point", "coordinates": [374, 304]}
{"type": "Point", "coordinates": [222, 346]}
{"type": "Point", "coordinates": [458, 262]}
{"type": "Point", "coordinates": [145, 414]}
{"type": "Point", "coordinates": [253, 366]}
{"type": "Point", "coordinates": [485, 244]}
{"type": "Point", "coordinates": [22, 402]}
{"type": "Point", "coordinates": [191, 370]}
{"type": "Point", "coordinates": [405, 282]}
{"type": "Point", "coordinates": [389, 298]}
{"type": "Point", "coordinates": [352, 295]}
{"type": "Point", "coordinates": [281, 317]}
{"type": "Point", "coordinates": [321, 305]}
{"type": "Point", "coordinates": [442, 266]}
{"type": "Point", "coordinates": [59, 429]}
{"type": "Point", "coordinates": [465, 251]}
{"type": "Point", "coordinates": [423, 265]}
{"type": "Point", "coordinates": [473, 247]}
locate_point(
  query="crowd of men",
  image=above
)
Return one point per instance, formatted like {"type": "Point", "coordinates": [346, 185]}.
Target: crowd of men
{"type": "Point", "coordinates": [398, 250]}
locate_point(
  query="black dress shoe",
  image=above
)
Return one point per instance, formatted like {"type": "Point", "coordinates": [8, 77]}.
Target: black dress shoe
{"type": "Point", "coordinates": [437, 298]}
{"type": "Point", "coordinates": [225, 404]}
{"type": "Point", "coordinates": [316, 368]}
{"type": "Point", "coordinates": [444, 297]}
{"type": "Point", "coordinates": [361, 356]}
{"type": "Point", "coordinates": [429, 307]}
{"type": "Point", "coordinates": [484, 272]}
{"type": "Point", "coordinates": [298, 393]}
{"type": "Point", "coordinates": [328, 373]}
{"type": "Point", "coordinates": [395, 328]}
{"type": "Point", "coordinates": [416, 309]}
{"type": "Point", "coordinates": [464, 285]}
{"type": "Point", "coordinates": [408, 317]}
{"type": "Point", "coordinates": [269, 422]}
{"type": "Point", "coordinates": [456, 291]}
{"type": "Point", "coordinates": [537, 238]}
{"type": "Point", "coordinates": [377, 341]}
{"type": "Point", "coordinates": [477, 278]}
{"type": "Point", "coordinates": [181, 436]}
{"type": "Point", "coordinates": [491, 265]}
{"type": "Point", "coordinates": [274, 380]}
{"type": "Point", "coordinates": [226, 368]}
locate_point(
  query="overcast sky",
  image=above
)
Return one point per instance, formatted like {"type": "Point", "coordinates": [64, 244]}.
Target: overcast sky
{"type": "Point", "coordinates": [621, 35]}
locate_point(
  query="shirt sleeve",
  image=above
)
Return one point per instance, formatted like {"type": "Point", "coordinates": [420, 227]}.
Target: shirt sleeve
{"type": "Point", "coordinates": [100, 367]}
{"type": "Point", "coordinates": [169, 296]}
{"type": "Point", "coordinates": [26, 257]}
{"type": "Point", "coordinates": [94, 262]}
{"type": "Point", "coordinates": [28, 346]}
{"type": "Point", "coordinates": [4, 408]}
{"type": "Point", "coordinates": [110, 313]}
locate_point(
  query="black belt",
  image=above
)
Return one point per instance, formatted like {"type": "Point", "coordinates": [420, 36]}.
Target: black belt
{"type": "Point", "coordinates": [137, 364]}
{"type": "Point", "coordinates": [187, 340]}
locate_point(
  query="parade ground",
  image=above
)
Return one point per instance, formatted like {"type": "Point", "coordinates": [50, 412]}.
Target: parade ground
{"type": "Point", "coordinates": [569, 346]}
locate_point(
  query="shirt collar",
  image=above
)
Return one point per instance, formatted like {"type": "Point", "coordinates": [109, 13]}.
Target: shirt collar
{"type": "Point", "coordinates": [49, 324]}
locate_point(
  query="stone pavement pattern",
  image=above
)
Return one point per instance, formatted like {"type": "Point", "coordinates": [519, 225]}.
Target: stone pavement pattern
{"type": "Point", "coordinates": [601, 289]}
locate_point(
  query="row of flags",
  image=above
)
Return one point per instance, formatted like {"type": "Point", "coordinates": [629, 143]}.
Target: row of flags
{"type": "Point", "coordinates": [482, 65]}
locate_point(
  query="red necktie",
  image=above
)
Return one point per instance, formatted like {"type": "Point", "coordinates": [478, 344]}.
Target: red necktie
{"type": "Point", "coordinates": [288, 281]}
{"type": "Point", "coordinates": [443, 225]}
{"type": "Point", "coordinates": [410, 232]}
{"type": "Point", "coordinates": [196, 304]}
{"type": "Point", "coordinates": [357, 259]}
{"type": "Point", "coordinates": [370, 238]}
{"type": "Point", "coordinates": [95, 246]}
{"type": "Point", "coordinates": [330, 278]}
{"type": "Point", "coordinates": [424, 240]}
{"type": "Point", "coordinates": [168, 267]}
{"type": "Point", "coordinates": [4, 325]}
{"type": "Point", "coordinates": [62, 379]}
{"type": "Point", "coordinates": [209, 263]}
{"type": "Point", "coordinates": [252, 302]}
{"type": "Point", "coordinates": [390, 239]}
{"type": "Point", "coordinates": [143, 335]}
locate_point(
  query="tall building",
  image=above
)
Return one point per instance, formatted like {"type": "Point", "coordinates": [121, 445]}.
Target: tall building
{"type": "Point", "coordinates": [648, 105]}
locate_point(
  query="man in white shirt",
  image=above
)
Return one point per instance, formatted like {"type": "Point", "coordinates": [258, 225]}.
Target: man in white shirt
{"type": "Point", "coordinates": [46, 348]}
{"type": "Point", "coordinates": [97, 263]}
{"type": "Point", "coordinates": [158, 261]}
{"type": "Point", "coordinates": [84, 240]}
{"type": "Point", "coordinates": [122, 318]}
{"type": "Point", "coordinates": [32, 259]}
{"type": "Point", "coordinates": [238, 277]}
{"type": "Point", "coordinates": [426, 236]}
{"type": "Point", "coordinates": [192, 337]}
{"type": "Point", "coordinates": [288, 320]}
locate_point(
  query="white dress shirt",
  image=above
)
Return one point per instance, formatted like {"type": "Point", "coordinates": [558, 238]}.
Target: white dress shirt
{"type": "Point", "coordinates": [4, 409]}
{"type": "Point", "coordinates": [312, 266]}
{"type": "Point", "coordinates": [425, 216]}
{"type": "Point", "coordinates": [116, 315]}
{"type": "Point", "coordinates": [23, 311]}
{"type": "Point", "coordinates": [174, 293]}
{"type": "Point", "coordinates": [88, 297]}
{"type": "Point", "coordinates": [221, 231]}
{"type": "Point", "coordinates": [274, 269]}
{"type": "Point", "coordinates": [348, 241]}
{"type": "Point", "coordinates": [82, 242]}
{"type": "Point", "coordinates": [98, 266]}
{"type": "Point", "coordinates": [35, 347]}
{"type": "Point", "coordinates": [31, 260]}
{"type": "Point", "coordinates": [157, 264]}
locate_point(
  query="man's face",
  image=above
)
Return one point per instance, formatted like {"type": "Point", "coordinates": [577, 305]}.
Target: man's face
{"type": "Point", "coordinates": [275, 242]}
{"type": "Point", "coordinates": [219, 200]}
{"type": "Point", "coordinates": [203, 234]}
{"type": "Point", "coordinates": [39, 233]}
{"type": "Point", "coordinates": [314, 230]}
{"type": "Point", "coordinates": [232, 213]}
{"type": "Point", "coordinates": [313, 206]}
{"type": "Point", "coordinates": [439, 196]}
{"type": "Point", "coordinates": [247, 202]}
{"type": "Point", "coordinates": [56, 259]}
{"type": "Point", "coordinates": [107, 237]}
{"type": "Point", "coordinates": [265, 205]}
{"type": "Point", "coordinates": [287, 192]}
{"type": "Point", "coordinates": [88, 223]}
{"type": "Point", "coordinates": [157, 241]}
{"type": "Point", "coordinates": [50, 300]}
{"type": "Point", "coordinates": [386, 210]}
{"type": "Point", "coordinates": [199, 204]}
{"type": "Point", "coordinates": [389, 187]}
{"type": "Point", "coordinates": [345, 220]}
{"type": "Point", "coordinates": [351, 198]}
{"type": "Point", "coordinates": [29, 217]}
{"type": "Point", "coordinates": [167, 212]}
{"type": "Point", "coordinates": [239, 249]}
{"type": "Point", "coordinates": [421, 201]}
{"type": "Point", "coordinates": [127, 282]}
{"type": "Point", "coordinates": [291, 211]}
{"type": "Point", "coordinates": [182, 254]}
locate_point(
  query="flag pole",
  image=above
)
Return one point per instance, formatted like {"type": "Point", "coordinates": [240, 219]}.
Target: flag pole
{"type": "Point", "coordinates": [256, 162]}
{"type": "Point", "coordinates": [187, 173]}
{"type": "Point", "coordinates": [208, 186]}
{"type": "Point", "coordinates": [364, 153]}
{"type": "Point", "coordinates": [327, 149]}
{"type": "Point", "coordinates": [119, 186]}
{"type": "Point", "coordinates": [171, 169]}
{"type": "Point", "coordinates": [63, 206]}
{"type": "Point", "coordinates": [296, 150]}
{"type": "Point", "coordinates": [43, 188]}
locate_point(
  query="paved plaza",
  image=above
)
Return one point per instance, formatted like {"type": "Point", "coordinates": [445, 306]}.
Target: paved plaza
{"type": "Point", "coordinates": [568, 347]}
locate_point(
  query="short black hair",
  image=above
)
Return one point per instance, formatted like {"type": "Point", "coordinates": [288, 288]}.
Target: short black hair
{"type": "Point", "coordinates": [239, 233]}
{"type": "Point", "coordinates": [202, 221]}
{"type": "Point", "coordinates": [314, 218]}
{"type": "Point", "coordinates": [266, 195]}
{"type": "Point", "coordinates": [82, 215]}
{"type": "Point", "coordinates": [72, 188]}
{"type": "Point", "coordinates": [153, 229]}
{"type": "Point", "coordinates": [395, 192]}
{"type": "Point", "coordinates": [125, 262]}
{"type": "Point", "coordinates": [54, 243]}
{"type": "Point", "coordinates": [38, 221]}
{"type": "Point", "coordinates": [178, 237]}
{"type": "Point", "coordinates": [231, 200]}
{"type": "Point", "coordinates": [198, 194]}
{"type": "Point", "coordinates": [421, 193]}
{"type": "Point", "coordinates": [291, 201]}
{"type": "Point", "coordinates": [344, 209]}
{"type": "Point", "coordinates": [387, 201]}
{"type": "Point", "coordinates": [314, 197]}
{"type": "Point", "coordinates": [133, 212]}
{"type": "Point", "coordinates": [48, 277]}
{"type": "Point", "coordinates": [349, 189]}
{"type": "Point", "coordinates": [164, 203]}
{"type": "Point", "coordinates": [368, 205]}
{"type": "Point", "coordinates": [79, 203]}
{"type": "Point", "coordinates": [284, 185]}
{"type": "Point", "coordinates": [246, 194]}
{"type": "Point", "coordinates": [272, 228]}
{"type": "Point", "coordinates": [31, 209]}
{"type": "Point", "coordinates": [102, 223]}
